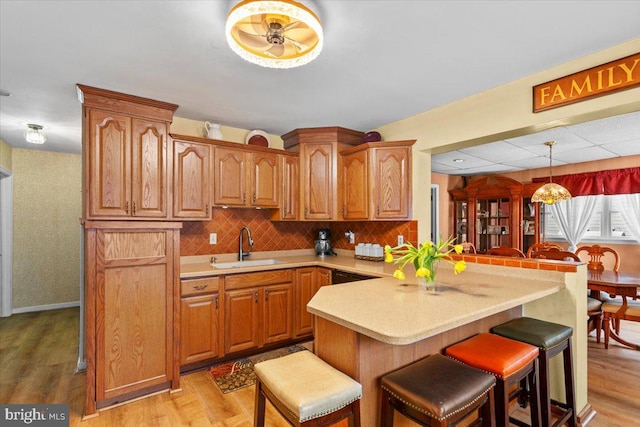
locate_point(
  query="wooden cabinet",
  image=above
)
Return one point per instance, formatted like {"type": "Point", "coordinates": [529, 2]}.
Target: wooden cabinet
{"type": "Point", "coordinates": [258, 309]}
{"type": "Point", "coordinates": [318, 149]}
{"type": "Point", "coordinates": [289, 184]}
{"type": "Point", "coordinates": [191, 180]}
{"type": "Point", "coordinates": [200, 337]}
{"type": "Point", "coordinates": [244, 178]}
{"type": "Point", "coordinates": [131, 297]}
{"type": "Point", "coordinates": [496, 211]}
{"type": "Point", "coordinates": [125, 155]}
{"type": "Point", "coordinates": [376, 181]}
{"type": "Point", "coordinates": [307, 282]}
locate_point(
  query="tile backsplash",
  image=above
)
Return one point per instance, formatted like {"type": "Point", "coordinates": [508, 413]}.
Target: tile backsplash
{"type": "Point", "coordinates": [284, 235]}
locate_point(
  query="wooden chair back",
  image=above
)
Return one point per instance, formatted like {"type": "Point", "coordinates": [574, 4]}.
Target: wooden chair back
{"type": "Point", "coordinates": [556, 254]}
{"type": "Point", "coordinates": [542, 246]}
{"type": "Point", "coordinates": [506, 251]}
{"type": "Point", "coordinates": [468, 248]}
{"type": "Point", "coordinates": [596, 253]}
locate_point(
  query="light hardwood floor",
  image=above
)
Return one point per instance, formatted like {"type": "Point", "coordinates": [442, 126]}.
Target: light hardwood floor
{"type": "Point", "coordinates": [38, 356]}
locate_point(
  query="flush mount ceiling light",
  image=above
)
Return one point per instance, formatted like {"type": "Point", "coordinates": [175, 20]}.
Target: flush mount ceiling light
{"type": "Point", "coordinates": [550, 193]}
{"type": "Point", "coordinates": [34, 134]}
{"type": "Point", "coordinates": [275, 34]}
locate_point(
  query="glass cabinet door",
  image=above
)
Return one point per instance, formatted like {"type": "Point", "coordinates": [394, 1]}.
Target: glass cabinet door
{"type": "Point", "coordinates": [492, 223]}
{"type": "Point", "coordinates": [530, 224]}
{"type": "Point", "coordinates": [461, 222]}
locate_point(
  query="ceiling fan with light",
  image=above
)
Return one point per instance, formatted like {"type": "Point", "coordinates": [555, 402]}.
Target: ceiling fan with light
{"type": "Point", "coordinates": [276, 34]}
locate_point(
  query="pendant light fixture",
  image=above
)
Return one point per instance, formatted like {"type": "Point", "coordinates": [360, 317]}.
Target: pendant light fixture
{"type": "Point", "coordinates": [274, 34]}
{"type": "Point", "coordinates": [35, 134]}
{"type": "Point", "coordinates": [550, 193]}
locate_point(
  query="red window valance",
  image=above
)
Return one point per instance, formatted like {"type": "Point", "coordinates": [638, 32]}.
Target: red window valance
{"type": "Point", "coordinates": [617, 181]}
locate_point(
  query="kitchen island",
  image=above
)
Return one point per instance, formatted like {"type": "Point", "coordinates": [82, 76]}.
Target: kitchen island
{"type": "Point", "coordinates": [367, 329]}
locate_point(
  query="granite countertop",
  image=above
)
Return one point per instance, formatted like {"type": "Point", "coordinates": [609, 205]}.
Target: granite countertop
{"type": "Point", "coordinates": [399, 312]}
{"type": "Point", "coordinates": [200, 266]}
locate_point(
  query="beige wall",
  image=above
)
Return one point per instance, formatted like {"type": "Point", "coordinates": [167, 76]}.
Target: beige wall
{"type": "Point", "coordinates": [5, 155]}
{"type": "Point", "coordinates": [46, 229]}
{"type": "Point", "coordinates": [196, 128]}
{"type": "Point", "coordinates": [499, 113]}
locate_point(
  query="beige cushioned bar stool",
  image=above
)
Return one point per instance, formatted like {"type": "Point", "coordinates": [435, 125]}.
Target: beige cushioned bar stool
{"type": "Point", "coordinates": [437, 391]}
{"type": "Point", "coordinates": [306, 391]}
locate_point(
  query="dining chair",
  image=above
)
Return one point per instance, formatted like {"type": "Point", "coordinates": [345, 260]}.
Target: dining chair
{"type": "Point", "coordinates": [506, 251]}
{"type": "Point", "coordinates": [594, 306]}
{"type": "Point", "coordinates": [596, 253]}
{"type": "Point", "coordinates": [468, 248]}
{"type": "Point", "coordinates": [542, 246]}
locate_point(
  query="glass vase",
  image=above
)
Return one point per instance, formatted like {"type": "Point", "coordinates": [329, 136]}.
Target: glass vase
{"type": "Point", "coordinates": [428, 283]}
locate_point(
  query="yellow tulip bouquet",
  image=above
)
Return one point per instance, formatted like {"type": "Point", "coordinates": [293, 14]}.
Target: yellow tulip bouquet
{"type": "Point", "coordinates": [424, 258]}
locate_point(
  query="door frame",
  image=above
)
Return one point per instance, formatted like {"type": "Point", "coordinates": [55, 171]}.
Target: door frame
{"type": "Point", "coordinates": [6, 242]}
{"type": "Point", "coordinates": [435, 212]}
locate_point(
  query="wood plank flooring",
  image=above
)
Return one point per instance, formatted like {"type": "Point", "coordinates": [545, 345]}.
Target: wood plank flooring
{"type": "Point", "coordinates": [38, 356]}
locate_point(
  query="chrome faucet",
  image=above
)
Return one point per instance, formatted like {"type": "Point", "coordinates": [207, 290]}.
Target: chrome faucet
{"type": "Point", "coordinates": [242, 255]}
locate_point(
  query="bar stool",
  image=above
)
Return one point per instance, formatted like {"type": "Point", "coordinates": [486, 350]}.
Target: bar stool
{"type": "Point", "coordinates": [509, 361]}
{"type": "Point", "coordinates": [306, 391]}
{"type": "Point", "coordinates": [437, 391]}
{"type": "Point", "coordinates": [551, 339]}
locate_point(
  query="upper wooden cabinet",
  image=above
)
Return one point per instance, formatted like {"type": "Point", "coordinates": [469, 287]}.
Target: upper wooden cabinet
{"type": "Point", "coordinates": [318, 148]}
{"type": "Point", "coordinates": [191, 180]}
{"type": "Point", "coordinates": [289, 184]}
{"type": "Point", "coordinates": [125, 155]}
{"type": "Point", "coordinates": [376, 181]}
{"type": "Point", "coordinates": [245, 178]}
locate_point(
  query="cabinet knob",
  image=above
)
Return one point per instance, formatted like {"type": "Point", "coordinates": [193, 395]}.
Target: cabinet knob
{"type": "Point", "coordinates": [254, 197]}
{"type": "Point", "coordinates": [306, 211]}
{"type": "Point", "coordinates": [216, 302]}
{"type": "Point", "coordinates": [266, 295]}
{"type": "Point", "coordinates": [255, 294]}
{"type": "Point", "coordinates": [206, 209]}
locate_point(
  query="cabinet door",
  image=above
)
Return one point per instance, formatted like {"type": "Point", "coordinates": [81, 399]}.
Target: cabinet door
{"type": "Point", "coordinates": [134, 340]}
{"type": "Point", "coordinates": [323, 276]}
{"type": "Point", "coordinates": [317, 178]}
{"type": "Point", "coordinates": [109, 169]}
{"type": "Point", "coordinates": [191, 180]}
{"type": "Point", "coordinates": [241, 320]}
{"type": "Point", "coordinates": [149, 169]}
{"type": "Point", "coordinates": [278, 313]}
{"type": "Point", "coordinates": [289, 196]}
{"type": "Point", "coordinates": [392, 183]}
{"type": "Point", "coordinates": [264, 180]}
{"type": "Point", "coordinates": [305, 288]}
{"type": "Point", "coordinates": [355, 187]}
{"type": "Point", "coordinates": [199, 323]}
{"type": "Point", "coordinates": [230, 177]}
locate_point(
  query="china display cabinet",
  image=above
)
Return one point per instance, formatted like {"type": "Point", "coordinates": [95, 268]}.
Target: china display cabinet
{"type": "Point", "coordinates": [496, 211]}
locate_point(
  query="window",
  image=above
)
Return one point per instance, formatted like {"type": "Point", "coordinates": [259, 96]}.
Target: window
{"type": "Point", "coordinates": [606, 224]}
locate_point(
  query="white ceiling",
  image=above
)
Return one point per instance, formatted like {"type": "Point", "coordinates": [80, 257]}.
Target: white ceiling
{"type": "Point", "coordinates": [382, 61]}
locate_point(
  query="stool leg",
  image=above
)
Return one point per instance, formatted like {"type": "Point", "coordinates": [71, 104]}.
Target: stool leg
{"type": "Point", "coordinates": [354, 419]}
{"type": "Point", "coordinates": [386, 413]}
{"type": "Point", "coordinates": [545, 399]}
{"type": "Point", "coordinates": [502, 403]}
{"type": "Point", "coordinates": [534, 396]}
{"type": "Point", "coordinates": [259, 410]}
{"type": "Point", "coordinates": [487, 411]}
{"type": "Point", "coordinates": [568, 383]}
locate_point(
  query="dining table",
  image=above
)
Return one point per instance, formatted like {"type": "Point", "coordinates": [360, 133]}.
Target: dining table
{"type": "Point", "coordinates": [615, 284]}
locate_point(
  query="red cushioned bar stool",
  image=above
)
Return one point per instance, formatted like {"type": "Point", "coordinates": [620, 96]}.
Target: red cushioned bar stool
{"type": "Point", "coordinates": [509, 361]}
{"type": "Point", "coordinates": [438, 391]}
{"type": "Point", "coordinates": [551, 339]}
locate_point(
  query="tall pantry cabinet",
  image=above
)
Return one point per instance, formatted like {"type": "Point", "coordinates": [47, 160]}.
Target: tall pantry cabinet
{"type": "Point", "coordinates": [131, 305]}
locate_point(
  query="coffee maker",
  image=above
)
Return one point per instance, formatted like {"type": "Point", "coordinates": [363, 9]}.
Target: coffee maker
{"type": "Point", "coordinates": [323, 245]}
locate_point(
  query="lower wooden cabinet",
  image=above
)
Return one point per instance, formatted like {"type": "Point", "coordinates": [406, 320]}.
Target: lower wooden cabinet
{"type": "Point", "coordinates": [199, 328]}
{"type": "Point", "coordinates": [241, 319]}
{"type": "Point", "coordinates": [307, 282]}
{"type": "Point", "coordinates": [277, 313]}
{"type": "Point", "coordinates": [131, 295]}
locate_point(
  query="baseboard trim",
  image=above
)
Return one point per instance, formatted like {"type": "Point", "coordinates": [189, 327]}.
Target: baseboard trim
{"type": "Point", "coordinates": [586, 415]}
{"type": "Point", "coordinates": [45, 307]}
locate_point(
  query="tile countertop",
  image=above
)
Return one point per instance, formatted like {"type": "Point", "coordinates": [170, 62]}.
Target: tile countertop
{"type": "Point", "coordinates": [399, 312]}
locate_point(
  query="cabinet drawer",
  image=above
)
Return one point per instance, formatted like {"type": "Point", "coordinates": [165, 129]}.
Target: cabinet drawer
{"type": "Point", "coordinates": [199, 286]}
{"type": "Point", "coordinates": [248, 280]}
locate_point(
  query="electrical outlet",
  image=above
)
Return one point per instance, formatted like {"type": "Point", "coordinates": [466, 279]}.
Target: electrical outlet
{"type": "Point", "coordinates": [213, 238]}
{"type": "Point", "coordinates": [400, 239]}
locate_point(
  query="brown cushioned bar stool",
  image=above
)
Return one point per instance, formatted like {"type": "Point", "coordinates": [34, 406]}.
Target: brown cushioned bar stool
{"type": "Point", "coordinates": [551, 339]}
{"type": "Point", "coordinates": [509, 361]}
{"type": "Point", "coordinates": [437, 391]}
{"type": "Point", "coordinates": [306, 391]}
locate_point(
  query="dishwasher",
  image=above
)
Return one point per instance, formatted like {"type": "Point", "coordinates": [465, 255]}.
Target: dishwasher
{"type": "Point", "coordinates": [339, 276]}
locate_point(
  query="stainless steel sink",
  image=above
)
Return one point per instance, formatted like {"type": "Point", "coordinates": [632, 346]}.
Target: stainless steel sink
{"type": "Point", "coordinates": [252, 263]}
